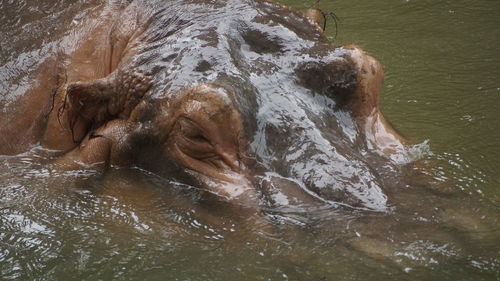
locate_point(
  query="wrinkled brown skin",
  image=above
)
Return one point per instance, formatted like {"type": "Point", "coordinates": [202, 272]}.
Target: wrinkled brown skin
{"type": "Point", "coordinates": [93, 126]}
{"type": "Point", "coordinates": [83, 61]}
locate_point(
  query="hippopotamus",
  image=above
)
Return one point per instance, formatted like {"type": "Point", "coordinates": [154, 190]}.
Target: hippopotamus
{"type": "Point", "coordinates": [245, 99]}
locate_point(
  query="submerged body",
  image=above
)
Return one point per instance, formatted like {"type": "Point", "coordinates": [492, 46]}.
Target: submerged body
{"type": "Point", "coordinates": [245, 99]}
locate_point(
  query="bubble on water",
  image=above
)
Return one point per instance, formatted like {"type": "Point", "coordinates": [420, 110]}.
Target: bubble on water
{"type": "Point", "coordinates": [424, 253]}
{"type": "Point", "coordinates": [412, 153]}
{"type": "Point", "coordinates": [467, 118]}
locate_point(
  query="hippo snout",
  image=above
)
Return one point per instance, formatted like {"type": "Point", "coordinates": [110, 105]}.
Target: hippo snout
{"type": "Point", "coordinates": [370, 75]}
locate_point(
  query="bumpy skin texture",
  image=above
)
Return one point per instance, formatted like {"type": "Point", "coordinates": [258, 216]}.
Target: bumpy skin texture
{"type": "Point", "coordinates": [227, 95]}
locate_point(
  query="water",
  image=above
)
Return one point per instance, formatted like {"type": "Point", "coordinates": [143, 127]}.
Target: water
{"type": "Point", "coordinates": [442, 85]}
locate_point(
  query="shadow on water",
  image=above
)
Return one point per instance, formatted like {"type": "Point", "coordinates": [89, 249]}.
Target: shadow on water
{"type": "Point", "coordinates": [443, 223]}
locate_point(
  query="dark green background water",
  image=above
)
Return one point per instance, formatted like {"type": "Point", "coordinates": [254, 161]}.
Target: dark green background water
{"type": "Point", "coordinates": [441, 60]}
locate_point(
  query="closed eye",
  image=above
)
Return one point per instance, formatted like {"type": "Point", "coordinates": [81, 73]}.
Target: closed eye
{"type": "Point", "coordinates": [191, 130]}
{"type": "Point", "coordinates": [194, 140]}
{"type": "Point", "coordinates": [198, 138]}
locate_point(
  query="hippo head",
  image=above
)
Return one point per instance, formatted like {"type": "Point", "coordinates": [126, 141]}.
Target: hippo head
{"type": "Point", "coordinates": [241, 98]}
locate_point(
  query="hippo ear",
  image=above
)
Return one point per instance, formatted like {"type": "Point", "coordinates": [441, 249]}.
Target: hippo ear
{"type": "Point", "coordinates": [89, 100]}
{"type": "Point", "coordinates": [316, 16]}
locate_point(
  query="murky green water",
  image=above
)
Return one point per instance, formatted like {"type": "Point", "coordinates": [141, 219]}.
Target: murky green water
{"type": "Point", "coordinates": [442, 85]}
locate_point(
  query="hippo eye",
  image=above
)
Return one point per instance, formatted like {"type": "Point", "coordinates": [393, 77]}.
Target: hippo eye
{"type": "Point", "coordinates": [192, 132]}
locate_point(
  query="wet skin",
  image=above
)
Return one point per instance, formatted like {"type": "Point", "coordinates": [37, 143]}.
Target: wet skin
{"type": "Point", "coordinates": [245, 99]}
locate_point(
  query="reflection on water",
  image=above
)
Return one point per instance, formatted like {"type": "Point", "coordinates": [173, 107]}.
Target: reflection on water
{"type": "Point", "coordinates": [442, 84]}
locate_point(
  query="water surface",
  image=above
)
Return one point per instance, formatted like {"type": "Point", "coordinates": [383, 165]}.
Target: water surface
{"type": "Point", "coordinates": [442, 87]}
